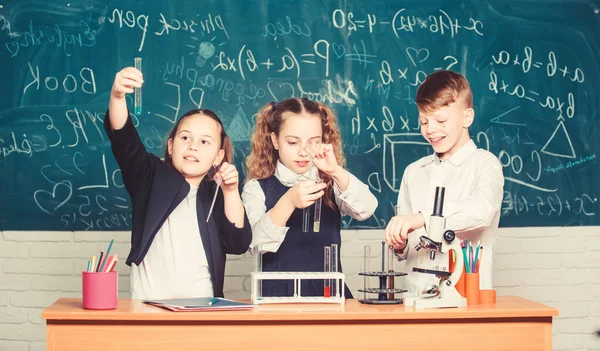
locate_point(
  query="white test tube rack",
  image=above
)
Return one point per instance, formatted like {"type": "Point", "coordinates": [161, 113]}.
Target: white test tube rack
{"type": "Point", "coordinates": [337, 278]}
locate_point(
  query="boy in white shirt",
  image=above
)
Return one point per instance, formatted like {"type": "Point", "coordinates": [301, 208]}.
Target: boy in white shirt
{"type": "Point", "coordinates": [472, 177]}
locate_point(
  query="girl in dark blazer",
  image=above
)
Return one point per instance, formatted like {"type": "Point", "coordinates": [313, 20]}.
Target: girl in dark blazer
{"type": "Point", "coordinates": [178, 248]}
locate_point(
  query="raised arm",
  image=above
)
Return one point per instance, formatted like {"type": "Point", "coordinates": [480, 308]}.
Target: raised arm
{"type": "Point", "coordinates": [125, 81]}
{"type": "Point", "coordinates": [129, 151]}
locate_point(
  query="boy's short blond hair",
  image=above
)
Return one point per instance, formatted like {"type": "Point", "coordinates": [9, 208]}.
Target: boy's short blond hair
{"type": "Point", "coordinates": [441, 89]}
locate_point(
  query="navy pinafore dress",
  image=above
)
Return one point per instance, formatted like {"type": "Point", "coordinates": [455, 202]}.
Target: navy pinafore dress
{"type": "Point", "coordinates": [300, 252]}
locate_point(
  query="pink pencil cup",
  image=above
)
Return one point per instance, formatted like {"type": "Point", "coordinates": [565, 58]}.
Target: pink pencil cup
{"type": "Point", "coordinates": [99, 290]}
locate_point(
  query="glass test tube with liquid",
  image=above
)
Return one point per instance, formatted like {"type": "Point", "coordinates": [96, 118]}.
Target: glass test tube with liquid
{"type": "Point", "coordinates": [138, 91]}
{"type": "Point", "coordinates": [334, 268]}
{"type": "Point", "coordinates": [258, 267]}
{"type": "Point", "coordinates": [327, 268]}
{"type": "Point", "coordinates": [306, 219]}
{"type": "Point", "coordinates": [366, 268]}
{"type": "Point", "coordinates": [391, 258]}
{"type": "Point", "coordinates": [317, 217]}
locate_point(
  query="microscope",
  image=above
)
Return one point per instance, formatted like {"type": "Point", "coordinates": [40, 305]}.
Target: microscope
{"type": "Point", "coordinates": [438, 242]}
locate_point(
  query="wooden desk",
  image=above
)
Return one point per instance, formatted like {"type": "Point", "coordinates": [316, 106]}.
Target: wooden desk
{"type": "Point", "coordinates": [513, 323]}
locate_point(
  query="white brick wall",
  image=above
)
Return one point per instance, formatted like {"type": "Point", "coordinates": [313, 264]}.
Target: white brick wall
{"type": "Point", "coordinates": [556, 266]}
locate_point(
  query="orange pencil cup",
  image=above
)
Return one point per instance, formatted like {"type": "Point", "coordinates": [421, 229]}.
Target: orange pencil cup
{"type": "Point", "coordinates": [460, 284]}
{"type": "Point", "coordinates": [99, 290]}
{"type": "Point", "coordinates": [487, 296]}
{"type": "Point", "coordinates": [472, 288]}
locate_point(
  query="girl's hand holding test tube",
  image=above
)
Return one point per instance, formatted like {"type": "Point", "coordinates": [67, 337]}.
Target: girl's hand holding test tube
{"type": "Point", "coordinates": [126, 81]}
{"type": "Point", "coordinates": [305, 193]}
{"type": "Point", "coordinates": [229, 176]}
{"type": "Point", "coordinates": [324, 159]}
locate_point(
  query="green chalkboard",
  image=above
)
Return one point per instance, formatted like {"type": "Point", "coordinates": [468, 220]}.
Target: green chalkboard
{"type": "Point", "coordinates": [533, 66]}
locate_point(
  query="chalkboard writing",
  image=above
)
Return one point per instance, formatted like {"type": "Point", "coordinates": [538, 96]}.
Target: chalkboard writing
{"type": "Point", "coordinates": [533, 68]}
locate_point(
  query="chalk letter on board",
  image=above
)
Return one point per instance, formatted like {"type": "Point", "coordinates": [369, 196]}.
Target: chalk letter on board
{"type": "Point", "coordinates": [220, 25]}
{"type": "Point", "coordinates": [35, 75]}
{"type": "Point", "coordinates": [198, 103]}
{"type": "Point", "coordinates": [105, 185]}
{"type": "Point", "coordinates": [325, 55]}
{"type": "Point", "coordinates": [165, 25]}
{"type": "Point", "coordinates": [144, 28]}
{"type": "Point", "coordinates": [374, 184]}
{"type": "Point", "coordinates": [356, 123]}
{"type": "Point", "coordinates": [176, 108]}
{"type": "Point", "coordinates": [77, 125]}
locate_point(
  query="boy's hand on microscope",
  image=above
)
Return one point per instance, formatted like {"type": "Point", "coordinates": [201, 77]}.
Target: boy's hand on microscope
{"type": "Point", "coordinates": [305, 193]}
{"type": "Point", "coordinates": [397, 230]}
{"type": "Point", "coordinates": [125, 81]}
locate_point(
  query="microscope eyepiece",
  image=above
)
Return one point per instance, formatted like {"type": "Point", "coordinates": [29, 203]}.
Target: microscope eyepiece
{"type": "Point", "coordinates": [438, 204]}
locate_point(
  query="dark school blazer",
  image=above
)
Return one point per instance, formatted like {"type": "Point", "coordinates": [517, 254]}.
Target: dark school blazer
{"type": "Point", "coordinates": [156, 189]}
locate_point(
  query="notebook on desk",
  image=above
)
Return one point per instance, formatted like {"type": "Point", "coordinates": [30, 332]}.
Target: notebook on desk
{"type": "Point", "coordinates": [199, 304]}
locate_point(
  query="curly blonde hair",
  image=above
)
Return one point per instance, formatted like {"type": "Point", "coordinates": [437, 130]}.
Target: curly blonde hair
{"type": "Point", "coordinates": [262, 161]}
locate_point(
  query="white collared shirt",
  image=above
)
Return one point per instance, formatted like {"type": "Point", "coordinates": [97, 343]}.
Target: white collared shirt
{"type": "Point", "coordinates": [356, 201]}
{"type": "Point", "coordinates": [473, 184]}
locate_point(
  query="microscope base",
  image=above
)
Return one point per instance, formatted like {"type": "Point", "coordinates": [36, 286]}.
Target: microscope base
{"type": "Point", "coordinates": [420, 303]}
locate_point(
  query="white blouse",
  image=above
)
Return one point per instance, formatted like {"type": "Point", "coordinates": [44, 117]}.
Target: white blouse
{"type": "Point", "coordinates": [356, 201]}
{"type": "Point", "coordinates": [175, 265]}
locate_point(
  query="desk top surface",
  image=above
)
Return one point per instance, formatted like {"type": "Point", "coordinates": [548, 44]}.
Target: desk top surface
{"type": "Point", "coordinates": [132, 310]}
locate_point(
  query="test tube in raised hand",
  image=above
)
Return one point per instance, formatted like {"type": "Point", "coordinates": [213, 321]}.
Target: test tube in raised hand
{"type": "Point", "coordinates": [138, 91]}
{"type": "Point", "coordinates": [258, 267]}
{"type": "Point", "coordinates": [366, 268]}
{"type": "Point", "coordinates": [327, 268]}
{"type": "Point", "coordinates": [334, 268]}
{"type": "Point", "coordinates": [317, 223]}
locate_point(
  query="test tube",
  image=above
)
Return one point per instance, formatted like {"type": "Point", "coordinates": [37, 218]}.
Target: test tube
{"type": "Point", "coordinates": [383, 247]}
{"type": "Point", "coordinates": [138, 91]}
{"type": "Point", "coordinates": [334, 268]}
{"type": "Point", "coordinates": [306, 219]}
{"type": "Point", "coordinates": [258, 264]}
{"type": "Point", "coordinates": [258, 267]}
{"type": "Point", "coordinates": [366, 268]}
{"type": "Point", "coordinates": [397, 210]}
{"type": "Point", "coordinates": [390, 269]}
{"type": "Point", "coordinates": [317, 223]}
{"type": "Point", "coordinates": [392, 258]}
{"type": "Point", "coordinates": [383, 279]}
{"type": "Point", "coordinates": [327, 268]}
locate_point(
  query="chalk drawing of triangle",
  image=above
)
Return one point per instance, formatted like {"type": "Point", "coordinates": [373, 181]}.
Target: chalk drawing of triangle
{"type": "Point", "coordinates": [559, 143]}
{"type": "Point", "coordinates": [500, 118]}
{"type": "Point", "coordinates": [239, 128]}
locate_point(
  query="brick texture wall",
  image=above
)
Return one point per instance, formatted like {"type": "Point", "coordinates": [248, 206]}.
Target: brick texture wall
{"type": "Point", "coordinates": [556, 266]}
